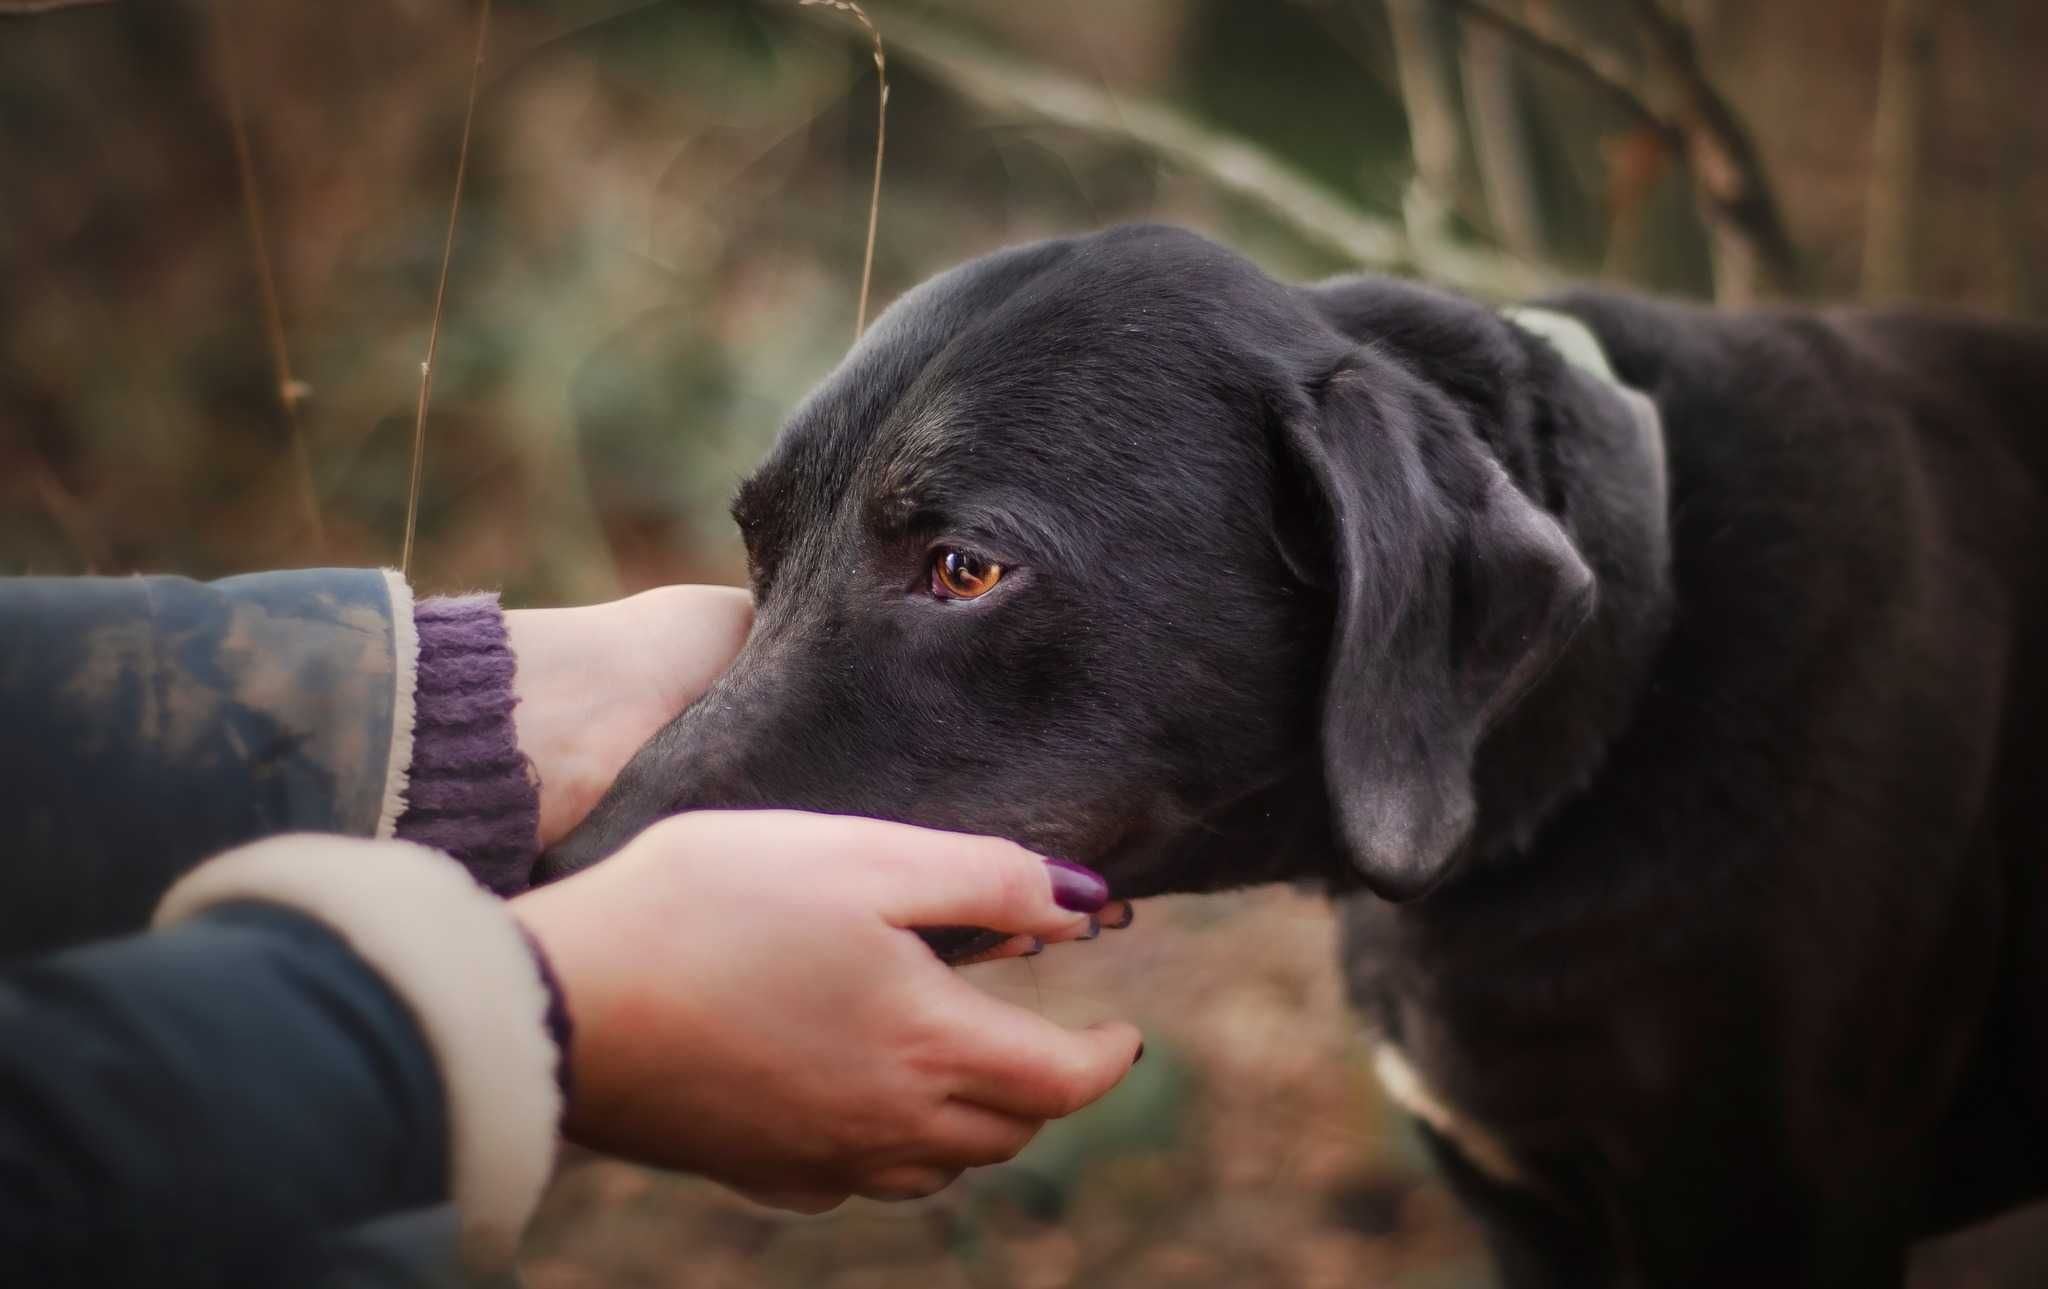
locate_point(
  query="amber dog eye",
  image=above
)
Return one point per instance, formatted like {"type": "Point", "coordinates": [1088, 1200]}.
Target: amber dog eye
{"type": "Point", "coordinates": [963, 575]}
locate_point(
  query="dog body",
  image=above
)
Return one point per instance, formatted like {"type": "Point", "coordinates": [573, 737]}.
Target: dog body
{"type": "Point", "coordinates": [1770, 993]}
{"type": "Point", "coordinates": [1676, 772]}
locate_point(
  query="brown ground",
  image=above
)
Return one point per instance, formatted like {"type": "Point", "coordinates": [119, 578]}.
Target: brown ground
{"type": "Point", "coordinates": [1251, 1147]}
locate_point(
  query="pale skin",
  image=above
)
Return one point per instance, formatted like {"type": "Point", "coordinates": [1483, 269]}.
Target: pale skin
{"type": "Point", "coordinates": [594, 683]}
{"type": "Point", "coordinates": [749, 1003]}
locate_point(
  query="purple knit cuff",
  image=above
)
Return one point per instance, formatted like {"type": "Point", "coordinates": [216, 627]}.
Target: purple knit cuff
{"type": "Point", "coordinates": [470, 791]}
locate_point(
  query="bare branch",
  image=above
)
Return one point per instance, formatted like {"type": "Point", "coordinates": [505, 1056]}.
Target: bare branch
{"type": "Point", "coordinates": [419, 425]}
{"type": "Point", "coordinates": [1752, 247]}
{"type": "Point", "coordinates": [1724, 159]}
{"type": "Point", "coordinates": [290, 391]}
{"type": "Point", "coordinates": [1537, 33]}
{"type": "Point", "coordinates": [1226, 161]}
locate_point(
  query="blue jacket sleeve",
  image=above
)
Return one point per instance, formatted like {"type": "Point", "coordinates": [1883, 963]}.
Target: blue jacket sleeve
{"type": "Point", "coordinates": [151, 1133]}
{"type": "Point", "coordinates": [148, 722]}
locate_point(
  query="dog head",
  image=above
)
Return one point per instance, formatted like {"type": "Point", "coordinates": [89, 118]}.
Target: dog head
{"type": "Point", "coordinates": [1121, 549]}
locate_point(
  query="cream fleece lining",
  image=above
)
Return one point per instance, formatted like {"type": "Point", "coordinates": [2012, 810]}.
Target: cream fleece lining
{"type": "Point", "coordinates": [455, 955]}
{"type": "Point", "coordinates": [405, 679]}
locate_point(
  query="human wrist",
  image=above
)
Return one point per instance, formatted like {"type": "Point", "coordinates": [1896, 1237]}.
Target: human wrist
{"type": "Point", "coordinates": [564, 686]}
{"type": "Point", "coordinates": [595, 683]}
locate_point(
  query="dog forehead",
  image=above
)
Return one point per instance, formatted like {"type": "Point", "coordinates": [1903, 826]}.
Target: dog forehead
{"type": "Point", "coordinates": [835, 426]}
{"type": "Point", "coordinates": [1070, 349]}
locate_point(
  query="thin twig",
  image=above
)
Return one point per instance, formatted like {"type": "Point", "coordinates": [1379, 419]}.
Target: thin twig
{"type": "Point", "coordinates": [419, 424]}
{"type": "Point", "coordinates": [290, 391]}
{"type": "Point", "coordinates": [867, 264]}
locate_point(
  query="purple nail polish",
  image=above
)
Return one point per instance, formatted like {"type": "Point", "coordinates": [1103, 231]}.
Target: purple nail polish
{"type": "Point", "coordinates": [1130, 916]}
{"type": "Point", "coordinates": [1077, 889]}
{"type": "Point", "coordinates": [1094, 927]}
{"type": "Point", "coordinates": [1037, 947]}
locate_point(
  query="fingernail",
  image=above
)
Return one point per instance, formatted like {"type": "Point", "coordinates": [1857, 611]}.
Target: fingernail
{"type": "Point", "coordinates": [1037, 947]}
{"type": "Point", "coordinates": [1130, 916]}
{"type": "Point", "coordinates": [1094, 927]}
{"type": "Point", "coordinates": [1077, 889]}
{"type": "Point", "coordinates": [1140, 1056]}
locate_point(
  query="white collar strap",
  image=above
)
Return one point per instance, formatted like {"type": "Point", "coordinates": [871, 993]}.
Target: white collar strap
{"type": "Point", "coordinates": [1577, 345]}
{"type": "Point", "coordinates": [1570, 337]}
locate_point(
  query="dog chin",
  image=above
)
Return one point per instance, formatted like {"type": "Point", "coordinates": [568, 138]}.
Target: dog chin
{"type": "Point", "coordinates": [1144, 861]}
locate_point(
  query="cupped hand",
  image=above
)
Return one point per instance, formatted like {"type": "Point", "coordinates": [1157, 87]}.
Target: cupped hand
{"type": "Point", "coordinates": [749, 1004]}
{"type": "Point", "coordinates": [595, 683]}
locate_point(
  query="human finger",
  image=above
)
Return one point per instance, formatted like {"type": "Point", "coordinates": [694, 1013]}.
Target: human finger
{"type": "Point", "coordinates": [952, 879]}
{"type": "Point", "coordinates": [1017, 1062]}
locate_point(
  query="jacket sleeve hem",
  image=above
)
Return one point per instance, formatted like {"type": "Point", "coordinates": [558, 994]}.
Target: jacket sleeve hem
{"type": "Point", "coordinates": [456, 957]}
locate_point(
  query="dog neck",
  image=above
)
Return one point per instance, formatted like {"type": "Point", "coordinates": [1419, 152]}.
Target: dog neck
{"type": "Point", "coordinates": [1589, 449]}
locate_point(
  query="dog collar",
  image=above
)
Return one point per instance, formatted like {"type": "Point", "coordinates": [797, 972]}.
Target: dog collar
{"type": "Point", "coordinates": [1577, 345]}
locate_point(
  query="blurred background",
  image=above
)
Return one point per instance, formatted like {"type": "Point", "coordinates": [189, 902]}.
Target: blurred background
{"type": "Point", "coordinates": [221, 235]}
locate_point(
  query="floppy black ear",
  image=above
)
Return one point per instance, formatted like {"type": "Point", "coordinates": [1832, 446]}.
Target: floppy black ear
{"type": "Point", "coordinates": [1453, 593]}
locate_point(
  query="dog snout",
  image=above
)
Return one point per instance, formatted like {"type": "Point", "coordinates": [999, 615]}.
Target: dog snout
{"type": "Point", "coordinates": [698, 762]}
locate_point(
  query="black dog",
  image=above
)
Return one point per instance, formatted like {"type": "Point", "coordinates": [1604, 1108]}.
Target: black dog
{"type": "Point", "coordinates": [1690, 769]}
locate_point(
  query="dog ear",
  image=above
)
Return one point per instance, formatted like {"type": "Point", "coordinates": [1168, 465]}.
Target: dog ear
{"type": "Point", "coordinates": [1453, 593]}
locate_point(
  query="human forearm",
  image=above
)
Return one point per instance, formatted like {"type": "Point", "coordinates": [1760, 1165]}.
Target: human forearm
{"type": "Point", "coordinates": [322, 1032]}
{"type": "Point", "coordinates": [148, 722]}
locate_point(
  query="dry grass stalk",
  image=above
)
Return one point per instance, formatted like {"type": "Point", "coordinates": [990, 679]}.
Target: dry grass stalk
{"type": "Point", "coordinates": [867, 264]}
{"type": "Point", "coordinates": [290, 392]}
{"type": "Point", "coordinates": [419, 425]}
{"type": "Point", "coordinates": [72, 517]}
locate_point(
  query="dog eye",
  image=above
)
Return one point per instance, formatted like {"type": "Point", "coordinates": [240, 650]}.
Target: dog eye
{"type": "Point", "coordinates": [963, 575]}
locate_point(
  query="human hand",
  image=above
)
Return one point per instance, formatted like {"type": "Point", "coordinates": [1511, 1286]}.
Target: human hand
{"type": "Point", "coordinates": [595, 683]}
{"type": "Point", "coordinates": [748, 1004]}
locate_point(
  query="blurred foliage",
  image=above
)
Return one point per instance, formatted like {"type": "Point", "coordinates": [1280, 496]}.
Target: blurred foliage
{"type": "Point", "coordinates": [659, 252]}
{"type": "Point", "coordinates": [660, 246]}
